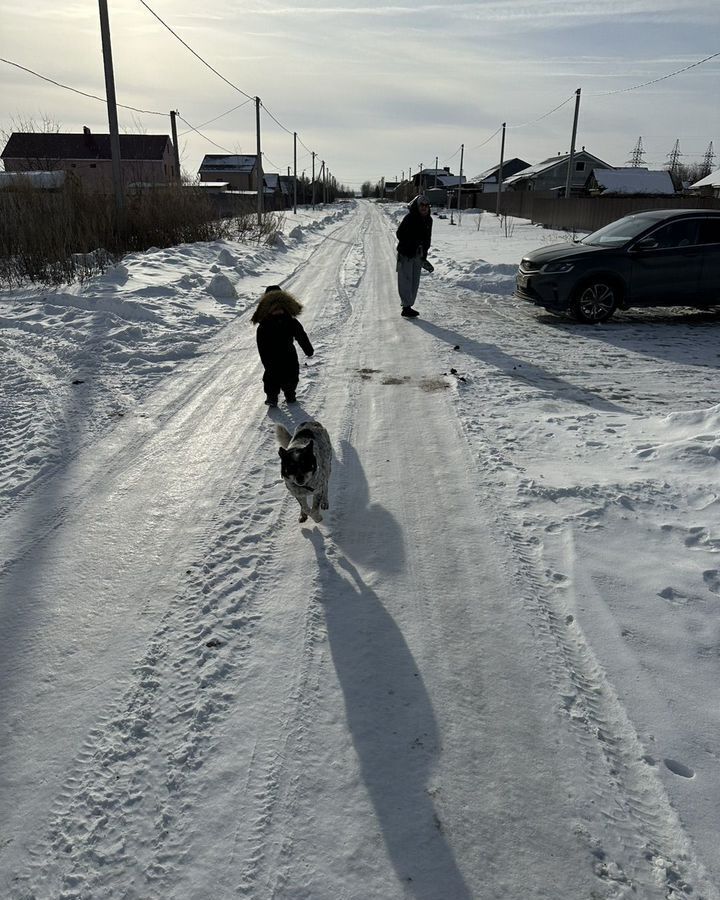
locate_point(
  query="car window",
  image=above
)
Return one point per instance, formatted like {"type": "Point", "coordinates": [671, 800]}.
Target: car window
{"type": "Point", "coordinates": [682, 233]}
{"type": "Point", "coordinates": [619, 232]}
{"type": "Point", "coordinates": [710, 231]}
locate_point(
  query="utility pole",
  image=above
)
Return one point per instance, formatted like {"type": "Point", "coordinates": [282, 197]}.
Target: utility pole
{"type": "Point", "coordinates": [313, 179]}
{"type": "Point", "coordinates": [112, 108]}
{"type": "Point", "coordinates": [295, 172]}
{"type": "Point", "coordinates": [176, 149]}
{"type": "Point", "coordinates": [322, 177]}
{"type": "Point", "coordinates": [436, 165]}
{"type": "Point", "coordinates": [459, 190]}
{"type": "Point", "coordinates": [568, 180]}
{"type": "Point", "coordinates": [500, 170]}
{"type": "Point", "coordinates": [259, 168]}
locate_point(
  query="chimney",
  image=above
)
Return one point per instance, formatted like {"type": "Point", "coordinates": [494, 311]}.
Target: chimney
{"type": "Point", "coordinates": [86, 130]}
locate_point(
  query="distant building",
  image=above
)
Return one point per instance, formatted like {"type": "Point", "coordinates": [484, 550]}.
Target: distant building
{"type": "Point", "coordinates": [708, 186]}
{"type": "Point", "coordinates": [487, 181]}
{"type": "Point", "coordinates": [240, 171]}
{"type": "Point", "coordinates": [633, 180]}
{"type": "Point", "coordinates": [145, 158]}
{"type": "Point", "coordinates": [551, 174]}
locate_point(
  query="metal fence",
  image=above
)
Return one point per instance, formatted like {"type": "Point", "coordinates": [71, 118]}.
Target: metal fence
{"type": "Point", "coordinates": [578, 213]}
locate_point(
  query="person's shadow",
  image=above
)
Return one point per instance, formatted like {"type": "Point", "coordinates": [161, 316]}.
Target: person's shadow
{"type": "Point", "coordinates": [368, 533]}
{"type": "Point", "coordinates": [392, 725]}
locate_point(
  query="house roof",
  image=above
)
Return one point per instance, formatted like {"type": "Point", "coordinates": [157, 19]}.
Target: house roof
{"type": "Point", "coordinates": [633, 180]}
{"type": "Point", "coordinates": [550, 163]}
{"type": "Point", "coordinates": [447, 181]}
{"type": "Point", "coordinates": [216, 162]}
{"type": "Point", "coordinates": [492, 172]}
{"type": "Point", "coordinates": [711, 180]}
{"type": "Point", "coordinates": [85, 145]}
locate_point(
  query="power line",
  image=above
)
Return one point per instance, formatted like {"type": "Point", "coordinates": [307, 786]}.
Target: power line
{"type": "Point", "coordinates": [215, 71]}
{"type": "Point", "coordinates": [274, 119]}
{"type": "Point", "coordinates": [205, 137]}
{"type": "Point", "coordinates": [197, 55]}
{"type": "Point", "coordinates": [477, 147]}
{"type": "Point", "coordinates": [544, 116]}
{"type": "Point", "coordinates": [656, 80]}
{"type": "Point", "coordinates": [210, 121]}
{"type": "Point", "coordinates": [148, 112]}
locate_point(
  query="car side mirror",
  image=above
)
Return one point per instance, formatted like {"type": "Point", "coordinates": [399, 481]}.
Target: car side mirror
{"type": "Point", "coordinates": [647, 243]}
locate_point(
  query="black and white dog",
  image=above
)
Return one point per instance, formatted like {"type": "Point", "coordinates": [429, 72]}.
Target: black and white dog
{"type": "Point", "coordinates": [305, 461]}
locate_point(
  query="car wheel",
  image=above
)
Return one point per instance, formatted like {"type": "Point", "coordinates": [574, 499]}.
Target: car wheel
{"type": "Point", "coordinates": [595, 302]}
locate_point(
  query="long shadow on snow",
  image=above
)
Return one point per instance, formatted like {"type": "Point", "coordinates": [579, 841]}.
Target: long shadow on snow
{"type": "Point", "coordinates": [522, 370]}
{"type": "Point", "coordinates": [393, 727]}
{"type": "Point", "coordinates": [382, 543]}
{"type": "Point", "coordinates": [673, 335]}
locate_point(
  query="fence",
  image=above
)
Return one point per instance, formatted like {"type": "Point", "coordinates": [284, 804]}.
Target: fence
{"type": "Point", "coordinates": [579, 213]}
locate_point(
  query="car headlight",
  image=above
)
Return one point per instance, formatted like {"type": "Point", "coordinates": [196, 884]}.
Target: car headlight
{"type": "Point", "coordinates": [557, 268]}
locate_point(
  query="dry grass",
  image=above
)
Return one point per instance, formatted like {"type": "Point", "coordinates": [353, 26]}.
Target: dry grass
{"type": "Point", "coordinates": [55, 238]}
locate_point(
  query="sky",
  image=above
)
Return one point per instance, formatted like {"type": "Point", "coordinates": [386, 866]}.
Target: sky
{"type": "Point", "coordinates": [379, 90]}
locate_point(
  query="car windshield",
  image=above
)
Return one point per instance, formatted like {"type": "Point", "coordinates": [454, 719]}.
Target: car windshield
{"type": "Point", "coordinates": [618, 233]}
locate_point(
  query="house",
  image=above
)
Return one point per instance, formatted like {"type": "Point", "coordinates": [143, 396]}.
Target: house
{"type": "Point", "coordinates": [487, 181]}
{"type": "Point", "coordinates": [633, 180]}
{"type": "Point", "coordinates": [708, 186]}
{"type": "Point", "coordinates": [240, 171]}
{"type": "Point", "coordinates": [551, 174]}
{"type": "Point", "coordinates": [389, 188]}
{"type": "Point", "coordinates": [431, 178]}
{"type": "Point", "coordinates": [273, 197]}
{"type": "Point", "coordinates": [145, 158]}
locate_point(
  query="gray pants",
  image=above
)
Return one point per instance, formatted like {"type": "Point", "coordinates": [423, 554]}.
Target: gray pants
{"type": "Point", "coordinates": [408, 273]}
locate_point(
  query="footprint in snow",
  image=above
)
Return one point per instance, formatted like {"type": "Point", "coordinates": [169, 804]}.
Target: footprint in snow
{"type": "Point", "coordinates": [711, 577]}
{"type": "Point", "coordinates": [678, 768]}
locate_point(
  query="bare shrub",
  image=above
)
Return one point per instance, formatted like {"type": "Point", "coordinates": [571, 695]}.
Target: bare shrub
{"type": "Point", "coordinates": [246, 228]}
{"type": "Point", "coordinates": [56, 237]}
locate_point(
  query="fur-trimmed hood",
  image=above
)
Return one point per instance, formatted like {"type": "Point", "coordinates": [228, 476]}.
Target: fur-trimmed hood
{"type": "Point", "coordinates": [276, 301]}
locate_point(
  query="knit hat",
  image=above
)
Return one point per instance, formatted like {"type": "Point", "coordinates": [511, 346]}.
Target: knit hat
{"type": "Point", "coordinates": [272, 287]}
{"type": "Point", "coordinates": [421, 198]}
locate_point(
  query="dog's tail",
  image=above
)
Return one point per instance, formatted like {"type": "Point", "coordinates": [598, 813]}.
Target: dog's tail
{"type": "Point", "coordinates": [283, 435]}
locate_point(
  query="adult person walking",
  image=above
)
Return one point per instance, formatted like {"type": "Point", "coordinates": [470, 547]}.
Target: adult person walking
{"type": "Point", "coordinates": [414, 234]}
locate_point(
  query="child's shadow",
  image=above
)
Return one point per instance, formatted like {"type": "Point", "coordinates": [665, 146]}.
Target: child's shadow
{"type": "Point", "coordinates": [366, 531]}
{"type": "Point", "coordinates": [289, 414]}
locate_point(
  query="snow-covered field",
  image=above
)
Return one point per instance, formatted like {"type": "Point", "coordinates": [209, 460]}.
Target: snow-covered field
{"type": "Point", "coordinates": [491, 672]}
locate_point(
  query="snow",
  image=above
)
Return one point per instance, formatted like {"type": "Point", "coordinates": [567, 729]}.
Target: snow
{"type": "Point", "coordinates": [491, 672]}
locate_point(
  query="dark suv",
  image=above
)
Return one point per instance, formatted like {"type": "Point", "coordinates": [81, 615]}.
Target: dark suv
{"type": "Point", "coordinates": [661, 257]}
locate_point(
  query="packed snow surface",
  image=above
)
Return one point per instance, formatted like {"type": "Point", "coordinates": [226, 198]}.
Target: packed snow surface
{"type": "Point", "coordinates": [491, 671]}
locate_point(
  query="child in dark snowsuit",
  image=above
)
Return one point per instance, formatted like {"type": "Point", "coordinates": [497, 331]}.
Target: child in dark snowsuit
{"type": "Point", "coordinates": [278, 328]}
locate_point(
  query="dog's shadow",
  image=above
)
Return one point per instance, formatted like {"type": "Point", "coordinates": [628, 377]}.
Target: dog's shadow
{"type": "Point", "coordinates": [367, 533]}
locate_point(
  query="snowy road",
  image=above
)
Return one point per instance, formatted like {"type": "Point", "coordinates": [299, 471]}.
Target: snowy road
{"type": "Point", "coordinates": [204, 699]}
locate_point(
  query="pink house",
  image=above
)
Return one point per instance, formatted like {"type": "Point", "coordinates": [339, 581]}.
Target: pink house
{"type": "Point", "coordinates": [146, 158]}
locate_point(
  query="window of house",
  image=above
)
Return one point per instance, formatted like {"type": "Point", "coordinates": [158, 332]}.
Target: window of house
{"type": "Point", "coordinates": [73, 165]}
{"type": "Point", "coordinates": [579, 166]}
{"type": "Point", "coordinates": [93, 165]}
{"type": "Point", "coordinates": [165, 167]}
